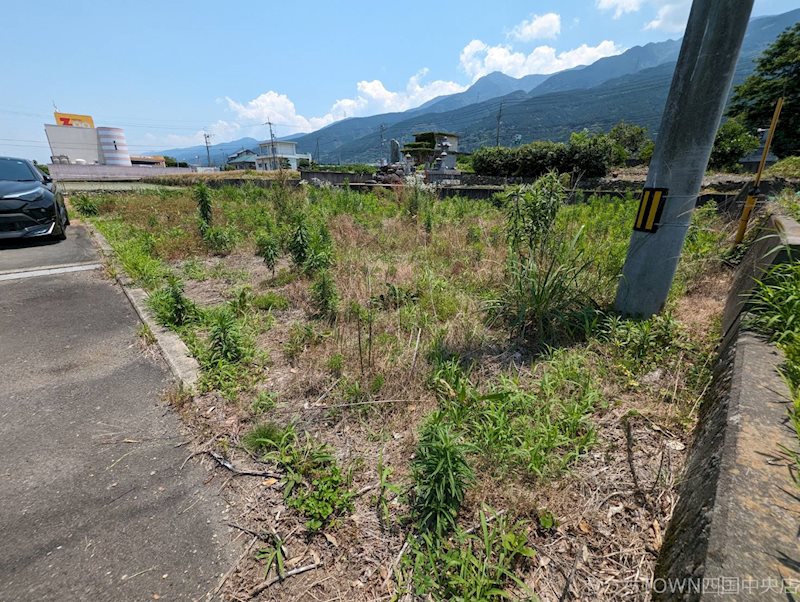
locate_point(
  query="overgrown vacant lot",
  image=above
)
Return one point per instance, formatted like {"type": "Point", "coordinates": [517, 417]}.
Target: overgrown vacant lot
{"type": "Point", "coordinates": [447, 402]}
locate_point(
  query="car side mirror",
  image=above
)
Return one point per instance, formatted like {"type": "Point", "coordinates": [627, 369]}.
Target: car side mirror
{"type": "Point", "coordinates": [47, 179]}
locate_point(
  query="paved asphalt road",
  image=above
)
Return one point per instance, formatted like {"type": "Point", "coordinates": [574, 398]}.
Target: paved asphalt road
{"type": "Point", "coordinates": [94, 504]}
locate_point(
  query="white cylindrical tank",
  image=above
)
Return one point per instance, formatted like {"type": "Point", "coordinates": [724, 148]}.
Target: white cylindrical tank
{"type": "Point", "coordinates": [113, 147]}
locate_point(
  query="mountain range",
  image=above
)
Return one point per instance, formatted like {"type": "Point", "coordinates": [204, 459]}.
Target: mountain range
{"type": "Point", "coordinates": [632, 86]}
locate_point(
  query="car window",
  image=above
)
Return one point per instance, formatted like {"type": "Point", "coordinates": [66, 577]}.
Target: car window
{"type": "Point", "coordinates": [16, 170]}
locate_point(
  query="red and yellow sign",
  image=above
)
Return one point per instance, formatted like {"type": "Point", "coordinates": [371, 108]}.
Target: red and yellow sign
{"type": "Point", "coordinates": [72, 120]}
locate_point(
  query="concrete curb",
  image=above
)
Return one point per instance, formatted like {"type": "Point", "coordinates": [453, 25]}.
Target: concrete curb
{"type": "Point", "coordinates": [183, 366]}
{"type": "Point", "coordinates": [734, 531]}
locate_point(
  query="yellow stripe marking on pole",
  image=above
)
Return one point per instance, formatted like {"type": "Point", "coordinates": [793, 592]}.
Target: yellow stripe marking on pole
{"type": "Point", "coordinates": [653, 209]}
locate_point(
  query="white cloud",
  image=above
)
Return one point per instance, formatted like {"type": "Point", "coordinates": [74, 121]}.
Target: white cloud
{"type": "Point", "coordinates": [671, 17]}
{"type": "Point", "coordinates": [274, 107]}
{"type": "Point", "coordinates": [477, 58]}
{"type": "Point", "coordinates": [371, 97]}
{"type": "Point", "coordinates": [620, 7]}
{"type": "Point", "coordinates": [220, 131]}
{"type": "Point", "coordinates": [538, 27]}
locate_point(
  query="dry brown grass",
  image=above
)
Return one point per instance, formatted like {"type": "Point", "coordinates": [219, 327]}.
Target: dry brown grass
{"type": "Point", "coordinates": [190, 179]}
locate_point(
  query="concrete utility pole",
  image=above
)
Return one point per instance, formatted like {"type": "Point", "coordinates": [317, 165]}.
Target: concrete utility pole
{"type": "Point", "coordinates": [207, 137]}
{"type": "Point", "coordinates": [274, 158]}
{"type": "Point", "coordinates": [383, 144]}
{"type": "Point", "coordinates": [499, 117]}
{"type": "Point", "coordinates": [697, 96]}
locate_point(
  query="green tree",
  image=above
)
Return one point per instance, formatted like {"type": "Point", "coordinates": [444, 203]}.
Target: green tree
{"type": "Point", "coordinates": [733, 142]}
{"type": "Point", "coordinates": [777, 74]}
{"type": "Point", "coordinates": [630, 137]}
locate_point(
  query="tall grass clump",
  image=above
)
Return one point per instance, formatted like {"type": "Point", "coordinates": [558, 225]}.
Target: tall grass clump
{"type": "Point", "coordinates": [226, 342]}
{"type": "Point", "coordinates": [221, 240]}
{"type": "Point", "coordinates": [227, 354]}
{"type": "Point", "coordinates": [299, 242]}
{"type": "Point", "coordinates": [546, 287]}
{"type": "Point", "coordinates": [171, 306]}
{"type": "Point", "coordinates": [324, 296]}
{"type": "Point", "coordinates": [776, 302]}
{"type": "Point", "coordinates": [202, 196]}
{"type": "Point", "coordinates": [268, 248]}
{"type": "Point", "coordinates": [442, 475]}
{"type": "Point", "coordinates": [85, 205]}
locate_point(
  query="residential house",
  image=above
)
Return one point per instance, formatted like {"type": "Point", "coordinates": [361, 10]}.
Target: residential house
{"type": "Point", "coordinates": [280, 153]}
{"type": "Point", "coordinates": [243, 159]}
{"type": "Point", "coordinates": [435, 150]}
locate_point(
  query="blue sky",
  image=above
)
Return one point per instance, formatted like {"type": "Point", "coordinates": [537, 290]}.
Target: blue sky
{"type": "Point", "coordinates": [167, 71]}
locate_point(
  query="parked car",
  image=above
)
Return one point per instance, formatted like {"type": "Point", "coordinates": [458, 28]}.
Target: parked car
{"type": "Point", "coordinates": [30, 203]}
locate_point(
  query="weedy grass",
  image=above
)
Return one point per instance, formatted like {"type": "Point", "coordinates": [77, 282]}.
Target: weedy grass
{"type": "Point", "coordinates": [85, 205]}
{"type": "Point", "coordinates": [540, 428]}
{"type": "Point", "coordinates": [134, 249]}
{"type": "Point", "coordinates": [270, 300]}
{"type": "Point", "coordinates": [470, 566]}
{"type": "Point", "coordinates": [789, 201]}
{"type": "Point", "coordinates": [314, 484]}
{"type": "Point", "coordinates": [171, 306]}
{"type": "Point", "coordinates": [264, 402]}
{"type": "Point", "coordinates": [401, 300]}
{"type": "Point", "coordinates": [788, 167]}
{"type": "Point", "coordinates": [145, 335]}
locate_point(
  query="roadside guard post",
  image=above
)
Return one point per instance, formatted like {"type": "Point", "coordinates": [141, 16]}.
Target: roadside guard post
{"type": "Point", "coordinates": [751, 198]}
{"type": "Point", "coordinates": [693, 110]}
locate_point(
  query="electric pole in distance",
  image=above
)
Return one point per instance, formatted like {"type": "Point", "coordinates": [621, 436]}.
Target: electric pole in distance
{"type": "Point", "coordinates": [274, 159]}
{"type": "Point", "coordinates": [697, 96]}
{"type": "Point", "coordinates": [207, 137]}
{"type": "Point", "coordinates": [499, 117]}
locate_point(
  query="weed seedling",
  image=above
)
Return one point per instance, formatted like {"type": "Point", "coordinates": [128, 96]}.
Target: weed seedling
{"type": "Point", "coordinates": [264, 402]}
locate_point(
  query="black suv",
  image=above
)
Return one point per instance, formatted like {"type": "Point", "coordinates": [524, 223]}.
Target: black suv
{"type": "Point", "coordinates": [30, 203]}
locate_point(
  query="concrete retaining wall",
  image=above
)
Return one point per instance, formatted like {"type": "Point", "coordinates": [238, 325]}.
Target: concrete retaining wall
{"type": "Point", "coordinates": [335, 178]}
{"type": "Point", "coordinates": [734, 531]}
{"type": "Point", "coordinates": [100, 173]}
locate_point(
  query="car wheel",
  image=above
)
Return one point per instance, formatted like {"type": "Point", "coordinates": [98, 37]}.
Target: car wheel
{"type": "Point", "coordinates": [61, 233]}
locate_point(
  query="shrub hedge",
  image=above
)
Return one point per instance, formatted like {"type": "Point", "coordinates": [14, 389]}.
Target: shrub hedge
{"type": "Point", "coordinates": [587, 154]}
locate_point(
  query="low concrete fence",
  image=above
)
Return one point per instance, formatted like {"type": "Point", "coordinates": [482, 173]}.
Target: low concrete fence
{"type": "Point", "coordinates": [734, 531]}
{"type": "Point", "coordinates": [335, 178]}
{"type": "Point", "coordinates": [98, 173]}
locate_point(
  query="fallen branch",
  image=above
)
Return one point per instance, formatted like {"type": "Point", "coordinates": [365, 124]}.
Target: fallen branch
{"type": "Point", "coordinates": [269, 582]}
{"type": "Point", "coordinates": [324, 395]}
{"type": "Point", "coordinates": [394, 564]}
{"type": "Point", "coordinates": [260, 536]}
{"type": "Point", "coordinates": [359, 403]}
{"type": "Point", "coordinates": [636, 487]}
{"type": "Point", "coordinates": [238, 472]}
{"type": "Point", "coordinates": [416, 348]}
{"type": "Point", "coordinates": [365, 489]}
